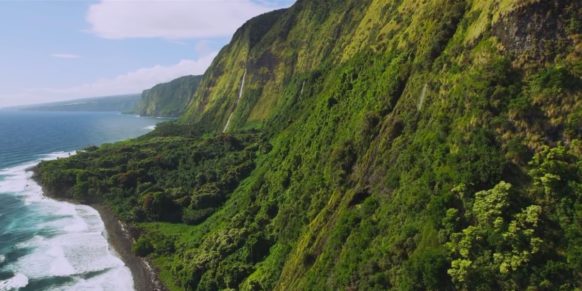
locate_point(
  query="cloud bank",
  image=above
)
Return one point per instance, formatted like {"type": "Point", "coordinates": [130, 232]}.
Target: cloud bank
{"type": "Point", "coordinates": [139, 80]}
{"type": "Point", "coordinates": [129, 83]}
{"type": "Point", "coordinates": [171, 19]}
{"type": "Point", "coordinates": [174, 20]}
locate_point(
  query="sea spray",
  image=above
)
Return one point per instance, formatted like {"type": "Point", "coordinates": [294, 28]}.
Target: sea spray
{"type": "Point", "coordinates": [64, 240]}
{"type": "Point", "coordinates": [16, 282]}
{"type": "Point", "coordinates": [40, 237]}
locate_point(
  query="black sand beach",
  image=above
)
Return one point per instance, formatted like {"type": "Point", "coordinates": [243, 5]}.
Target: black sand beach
{"type": "Point", "coordinates": [144, 276]}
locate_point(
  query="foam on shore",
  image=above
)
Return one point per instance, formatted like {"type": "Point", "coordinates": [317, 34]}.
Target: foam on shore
{"type": "Point", "coordinates": [65, 240]}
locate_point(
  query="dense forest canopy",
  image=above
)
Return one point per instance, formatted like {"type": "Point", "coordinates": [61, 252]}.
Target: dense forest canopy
{"type": "Point", "coordinates": [371, 145]}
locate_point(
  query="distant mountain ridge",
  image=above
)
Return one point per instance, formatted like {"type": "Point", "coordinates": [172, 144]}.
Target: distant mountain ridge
{"type": "Point", "coordinates": [122, 103]}
{"type": "Point", "coordinates": [168, 99]}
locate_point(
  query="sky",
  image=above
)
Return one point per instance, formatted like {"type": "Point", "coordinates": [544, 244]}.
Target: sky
{"type": "Point", "coordinates": [56, 50]}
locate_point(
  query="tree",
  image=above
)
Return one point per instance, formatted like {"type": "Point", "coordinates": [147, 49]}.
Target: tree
{"type": "Point", "coordinates": [495, 246]}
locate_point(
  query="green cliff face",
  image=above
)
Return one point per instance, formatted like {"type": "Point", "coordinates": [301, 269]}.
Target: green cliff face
{"type": "Point", "coordinates": [394, 144]}
{"type": "Point", "coordinates": [168, 99]}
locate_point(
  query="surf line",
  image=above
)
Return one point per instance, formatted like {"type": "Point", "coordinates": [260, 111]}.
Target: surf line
{"type": "Point", "coordinates": [78, 235]}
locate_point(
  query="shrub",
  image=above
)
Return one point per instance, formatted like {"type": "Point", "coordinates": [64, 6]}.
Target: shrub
{"type": "Point", "coordinates": [143, 247]}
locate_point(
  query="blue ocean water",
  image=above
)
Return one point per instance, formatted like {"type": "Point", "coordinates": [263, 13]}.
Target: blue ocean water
{"type": "Point", "coordinates": [47, 244]}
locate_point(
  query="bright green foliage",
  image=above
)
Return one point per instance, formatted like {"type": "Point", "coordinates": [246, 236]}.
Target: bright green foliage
{"type": "Point", "coordinates": [557, 185]}
{"type": "Point", "coordinates": [491, 204]}
{"type": "Point", "coordinates": [169, 99]}
{"type": "Point", "coordinates": [500, 249]}
{"type": "Point", "coordinates": [486, 253]}
{"type": "Point", "coordinates": [384, 128]}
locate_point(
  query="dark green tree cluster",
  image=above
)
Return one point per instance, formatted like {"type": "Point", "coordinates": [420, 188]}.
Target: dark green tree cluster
{"type": "Point", "coordinates": [173, 179]}
{"type": "Point", "coordinates": [411, 145]}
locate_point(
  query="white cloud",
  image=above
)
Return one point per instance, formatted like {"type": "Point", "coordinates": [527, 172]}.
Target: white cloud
{"type": "Point", "coordinates": [129, 83]}
{"type": "Point", "coordinates": [170, 19]}
{"type": "Point", "coordinates": [65, 56]}
{"type": "Point", "coordinates": [141, 79]}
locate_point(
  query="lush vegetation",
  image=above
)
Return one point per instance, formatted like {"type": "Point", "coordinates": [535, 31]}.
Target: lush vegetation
{"type": "Point", "coordinates": [516, 238]}
{"type": "Point", "coordinates": [380, 145]}
{"type": "Point", "coordinates": [173, 179]}
{"type": "Point", "coordinates": [169, 99]}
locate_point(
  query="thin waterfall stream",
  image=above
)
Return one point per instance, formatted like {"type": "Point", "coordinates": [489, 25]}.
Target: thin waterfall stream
{"type": "Point", "coordinates": [240, 94]}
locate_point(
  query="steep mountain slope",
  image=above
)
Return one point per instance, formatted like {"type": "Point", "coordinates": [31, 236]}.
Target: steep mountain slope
{"type": "Point", "coordinates": [168, 99]}
{"type": "Point", "coordinates": [403, 145]}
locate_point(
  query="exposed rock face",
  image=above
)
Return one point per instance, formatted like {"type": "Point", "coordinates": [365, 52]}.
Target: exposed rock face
{"type": "Point", "coordinates": [540, 31]}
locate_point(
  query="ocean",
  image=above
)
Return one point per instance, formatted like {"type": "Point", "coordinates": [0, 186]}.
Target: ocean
{"type": "Point", "coordinates": [47, 244]}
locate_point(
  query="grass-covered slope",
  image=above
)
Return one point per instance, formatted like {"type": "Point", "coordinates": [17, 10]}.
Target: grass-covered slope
{"type": "Point", "coordinates": [168, 99]}
{"type": "Point", "coordinates": [403, 145]}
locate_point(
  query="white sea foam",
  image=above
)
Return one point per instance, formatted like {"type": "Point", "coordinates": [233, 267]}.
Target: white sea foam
{"type": "Point", "coordinates": [15, 179]}
{"type": "Point", "coordinates": [14, 283]}
{"type": "Point", "coordinates": [34, 241]}
{"type": "Point", "coordinates": [2, 259]}
{"type": "Point", "coordinates": [57, 155]}
{"type": "Point", "coordinates": [77, 244]}
{"type": "Point", "coordinates": [111, 280]}
{"type": "Point", "coordinates": [18, 180]}
{"type": "Point", "coordinates": [151, 127]}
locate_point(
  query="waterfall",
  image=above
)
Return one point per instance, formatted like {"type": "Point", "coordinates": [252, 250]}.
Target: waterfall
{"type": "Point", "coordinates": [227, 123]}
{"type": "Point", "coordinates": [422, 97]}
{"type": "Point", "coordinates": [240, 94]}
{"type": "Point", "coordinates": [302, 88]}
{"type": "Point", "coordinates": [242, 86]}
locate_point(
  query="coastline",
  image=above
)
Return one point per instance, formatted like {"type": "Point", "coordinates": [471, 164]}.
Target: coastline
{"type": "Point", "coordinates": [145, 277]}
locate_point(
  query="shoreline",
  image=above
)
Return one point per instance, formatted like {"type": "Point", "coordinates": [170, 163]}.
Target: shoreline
{"type": "Point", "coordinates": [145, 277]}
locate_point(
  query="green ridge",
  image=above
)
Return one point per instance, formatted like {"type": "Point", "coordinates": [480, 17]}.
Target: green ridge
{"type": "Point", "coordinates": [415, 145]}
{"type": "Point", "coordinates": [168, 99]}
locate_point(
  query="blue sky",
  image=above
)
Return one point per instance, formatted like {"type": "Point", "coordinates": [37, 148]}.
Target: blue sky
{"type": "Point", "coordinates": [55, 50]}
